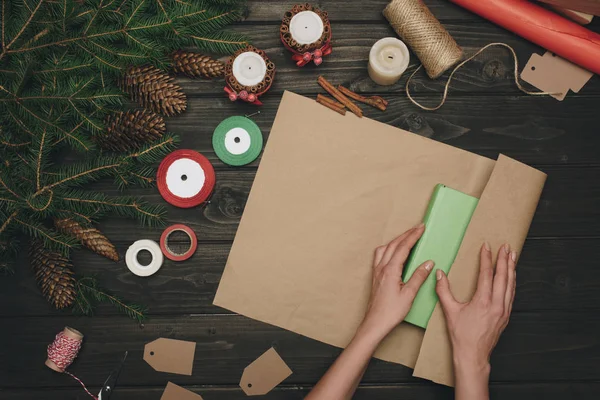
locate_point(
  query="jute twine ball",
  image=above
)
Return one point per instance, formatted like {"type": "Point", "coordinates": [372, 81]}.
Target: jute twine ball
{"type": "Point", "coordinates": [426, 36]}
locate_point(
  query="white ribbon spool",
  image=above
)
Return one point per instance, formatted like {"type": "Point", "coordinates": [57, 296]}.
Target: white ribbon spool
{"type": "Point", "coordinates": [306, 27]}
{"type": "Point", "coordinates": [134, 265]}
{"type": "Point", "coordinates": [249, 68]}
{"type": "Point", "coordinates": [388, 59]}
{"type": "Point", "coordinates": [185, 178]}
{"type": "Point", "coordinates": [237, 141]}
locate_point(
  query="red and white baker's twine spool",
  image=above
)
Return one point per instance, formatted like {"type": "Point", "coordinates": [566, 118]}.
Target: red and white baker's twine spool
{"type": "Point", "coordinates": [62, 352]}
{"type": "Point", "coordinates": [199, 180]}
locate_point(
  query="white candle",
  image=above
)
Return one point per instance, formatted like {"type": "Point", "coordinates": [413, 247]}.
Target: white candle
{"type": "Point", "coordinates": [388, 60]}
{"type": "Point", "coordinates": [249, 68]}
{"type": "Point", "coordinates": [306, 27]}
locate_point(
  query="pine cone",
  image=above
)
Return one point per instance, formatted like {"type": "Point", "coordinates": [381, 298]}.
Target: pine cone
{"type": "Point", "coordinates": [154, 89]}
{"type": "Point", "coordinates": [91, 238]}
{"type": "Point", "coordinates": [54, 275]}
{"type": "Point", "coordinates": [129, 130]}
{"type": "Point", "coordinates": [197, 65]}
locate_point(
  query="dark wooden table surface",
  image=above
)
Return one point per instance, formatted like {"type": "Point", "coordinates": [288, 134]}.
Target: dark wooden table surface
{"type": "Point", "coordinates": [551, 348]}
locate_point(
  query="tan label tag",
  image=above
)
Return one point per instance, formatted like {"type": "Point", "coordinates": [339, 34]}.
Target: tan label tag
{"type": "Point", "coordinates": [553, 74]}
{"type": "Point", "coordinates": [266, 372]}
{"type": "Point", "coordinates": [170, 355]}
{"type": "Point", "coordinates": [174, 392]}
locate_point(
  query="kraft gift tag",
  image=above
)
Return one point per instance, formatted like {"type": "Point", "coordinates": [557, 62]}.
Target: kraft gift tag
{"type": "Point", "coordinates": [553, 74]}
{"type": "Point", "coordinates": [174, 392]}
{"type": "Point", "coordinates": [170, 355]}
{"type": "Point", "coordinates": [266, 372]}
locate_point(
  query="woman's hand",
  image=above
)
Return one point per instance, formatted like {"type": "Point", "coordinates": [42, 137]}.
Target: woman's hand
{"type": "Point", "coordinates": [391, 299]}
{"type": "Point", "coordinates": [475, 327]}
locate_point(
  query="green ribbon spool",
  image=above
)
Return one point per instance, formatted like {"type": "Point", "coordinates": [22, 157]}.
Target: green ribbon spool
{"type": "Point", "coordinates": [237, 141]}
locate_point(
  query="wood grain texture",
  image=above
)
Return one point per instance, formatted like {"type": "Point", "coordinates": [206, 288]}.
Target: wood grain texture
{"type": "Point", "coordinates": [536, 131]}
{"type": "Point", "coordinates": [554, 274]}
{"type": "Point", "coordinates": [535, 347]}
{"type": "Point", "coordinates": [551, 349]}
{"type": "Point", "coordinates": [491, 71]}
{"type": "Point", "coordinates": [547, 391]}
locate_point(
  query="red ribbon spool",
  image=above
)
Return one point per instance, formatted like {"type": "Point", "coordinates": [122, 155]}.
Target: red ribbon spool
{"type": "Point", "coordinates": [170, 254]}
{"type": "Point", "coordinates": [198, 197]}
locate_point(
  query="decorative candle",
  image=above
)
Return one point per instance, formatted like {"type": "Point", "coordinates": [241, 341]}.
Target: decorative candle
{"type": "Point", "coordinates": [249, 68]}
{"type": "Point", "coordinates": [306, 31]}
{"type": "Point", "coordinates": [306, 27]}
{"type": "Point", "coordinates": [248, 74]}
{"type": "Point", "coordinates": [388, 60]}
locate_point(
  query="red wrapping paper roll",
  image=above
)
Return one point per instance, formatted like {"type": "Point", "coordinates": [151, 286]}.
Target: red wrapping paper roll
{"type": "Point", "coordinates": [542, 27]}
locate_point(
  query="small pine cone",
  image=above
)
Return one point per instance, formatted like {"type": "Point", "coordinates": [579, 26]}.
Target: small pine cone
{"type": "Point", "coordinates": [91, 238]}
{"type": "Point", "coordinates": [54, 275]}
{"type": "Point", "coordinates": [130, 130]}
{"type": "Point", "coordinates": [154, 89]}
{"type": "Point", "coordinates": [197, 65]}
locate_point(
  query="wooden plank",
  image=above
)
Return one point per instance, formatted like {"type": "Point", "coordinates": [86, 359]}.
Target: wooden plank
{"type": "Point", "coordinates": [491, 72]}
{"type": "Point", "coordinates": [566, 344]}
{"type": "Point", "coordinates": [532, 130]}
{"type": "Point", "coordinates": [547, 391]}
{"type": "Point", "coordinates": [568, 207]}
{"type": "Point", "coordinates": [272, 11]}
{"type": "Point", "coordinates": [555, 274]}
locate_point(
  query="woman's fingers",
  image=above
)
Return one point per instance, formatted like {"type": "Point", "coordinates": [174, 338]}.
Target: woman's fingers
{"type": "Point", "coordinates": [447, 300]}
{"type": "Point", "coordinates": [511, 286]}
{"type": "Point", "coordinates": [390, 248]}
{"type": "Point", "coordinates": [418, 278]}
{"type": "Point", "coordinates": [501, 277]}
{"type": "Point", "coordinates": [486, 273]}
{"type": "Point", "coordinates": [378, 255]}
{"type": "Point", "coordinates": [403, 249]}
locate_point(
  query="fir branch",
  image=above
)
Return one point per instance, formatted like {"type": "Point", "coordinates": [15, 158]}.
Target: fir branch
{"type": "Point", "coordinates": [89, 287]}
{"type": "Point", "coordinates": [148, 215]}
{"type": "Point", "coordinates": [9, 190]}
{"type": "Point", "coordinates": [6, 48]}
{"type": "Point", "coordinates": [51, 239]}
{"type": "Point", "coordinates": [39, 160]}
{"type": "Point", "coordinates": [8, 221]}
{"type": "Point", "coordinates": [7, 144]}
{"type": "Point", "coordinates": [92, 172]}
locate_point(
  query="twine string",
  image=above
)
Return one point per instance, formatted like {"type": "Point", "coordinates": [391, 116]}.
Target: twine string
{"type": "Point", "coordinates": [447, 86]}
{"type": "Point", "coordinates": [429, 40]}
{"type": "Point", "coordinates": [62, 352]}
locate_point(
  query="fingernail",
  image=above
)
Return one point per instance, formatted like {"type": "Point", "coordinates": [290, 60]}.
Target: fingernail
{"type": "Point", "coordinates": [419, 226]}
{"type": "Point", "coordinates": [513, 256]}
{"type": "Point", "coordinates": [429, 265]}
{"type": "Point", "coordinates": [438, 274]}
{"type": "Point", "coordinates": [486, 245]}
{"type": "Point", "coordinates": [507, 248]}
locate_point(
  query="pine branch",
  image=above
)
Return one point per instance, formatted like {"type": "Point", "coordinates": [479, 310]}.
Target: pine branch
{"type": "Point", "coordinates": [89, 294]}
{"type": "Point", "coordinates": [50, 239]}
{"type": "Point", "coordinates": [130, 207]}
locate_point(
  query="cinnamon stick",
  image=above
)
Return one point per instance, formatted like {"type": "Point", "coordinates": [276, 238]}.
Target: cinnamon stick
{"type": "Point", "coordinates": [331, 104]}
{"type": "Point", "coordinates": [339, 96]}
{"type": "Point", "coordinates": [374, 101]}
{"type": "Point", "coordinates": [330, 101]}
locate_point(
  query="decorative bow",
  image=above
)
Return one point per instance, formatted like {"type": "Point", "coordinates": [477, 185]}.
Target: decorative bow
{"type": "Point", "coordinates": [243, 95]}
{"type": "Point", "coordinates": [316, 56]}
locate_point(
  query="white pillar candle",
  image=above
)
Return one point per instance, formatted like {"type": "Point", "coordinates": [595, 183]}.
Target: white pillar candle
{"type": "Point", "coordinates": [388, 60]}
{"type": "Point", "coordinates": [249, 68]}
{"type": "Point", "coordinates": [306, 27]}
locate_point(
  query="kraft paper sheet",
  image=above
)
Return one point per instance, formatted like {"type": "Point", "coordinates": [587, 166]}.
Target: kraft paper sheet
{"type": "Point", "coordinates": [327, 193]}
